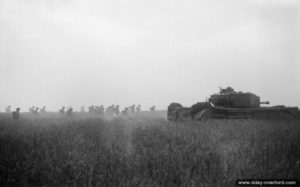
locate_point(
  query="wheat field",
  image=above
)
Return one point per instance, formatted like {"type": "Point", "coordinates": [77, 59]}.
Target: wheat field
{"type": "Point", "coordinates": [144, 150]}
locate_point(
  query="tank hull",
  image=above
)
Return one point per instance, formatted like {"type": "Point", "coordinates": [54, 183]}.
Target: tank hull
{"type": "Point", "coordinates": [209, 111]}
{"type": "Point", "coordinates": [230, 104]}
{"type": "Point", "coordinates": [256, 113]}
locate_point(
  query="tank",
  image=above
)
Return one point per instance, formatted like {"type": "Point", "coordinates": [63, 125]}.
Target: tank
{"type": "Point", "coordinates": [230, 104]}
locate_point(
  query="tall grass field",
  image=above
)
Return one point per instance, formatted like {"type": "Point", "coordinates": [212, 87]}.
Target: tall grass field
{"type": "Point", "coordinates": [144, 150]}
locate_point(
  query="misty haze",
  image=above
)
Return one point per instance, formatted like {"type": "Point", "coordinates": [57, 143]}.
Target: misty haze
{"type": "Point", "coordinates": [149, 93]}
{"type": "Point", "coordinates": [76, 53]}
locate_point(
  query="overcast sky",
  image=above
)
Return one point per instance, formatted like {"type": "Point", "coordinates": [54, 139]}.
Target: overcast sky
{"type": "Point", "coordinates": [148, 52]}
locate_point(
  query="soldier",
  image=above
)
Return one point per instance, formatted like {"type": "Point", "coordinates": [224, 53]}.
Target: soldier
{"type": "Point", "coordinates": [43, 109]}
{"type": "Point", "coordinates": [110, 110]}
{"type": "Point", "coordinates": [16, 114]}
{"type": "Point", "coordinates": [91, 109]}
{"type": "Point", "coordinates": [152, 109]}
{"type": "Point", "coordinates": [62, 110]}
{"type": "Point", "coordinates": [138, 108]}
{"type": "Point", "coordinates": [132, 108]}
{"type": "Point", "coordinates": [7, 109]}
{"type": "Point", "coordinates": [117, 110]}
{"type": "Point", "coordinates": [98, 110]}
{"type": "Point", "coordinates": [70, 111]}
{"type": "Point", "coordinates": [125, 111]}
{"type": "Point", "coordinates": [36, 111]}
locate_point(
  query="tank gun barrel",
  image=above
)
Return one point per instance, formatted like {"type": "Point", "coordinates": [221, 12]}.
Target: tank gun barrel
{"type": "Point", "coordinates": [265, 102]}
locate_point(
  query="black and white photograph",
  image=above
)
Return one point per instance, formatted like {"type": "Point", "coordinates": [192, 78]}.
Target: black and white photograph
{"type": "Point", "coordinates": [150, 93]}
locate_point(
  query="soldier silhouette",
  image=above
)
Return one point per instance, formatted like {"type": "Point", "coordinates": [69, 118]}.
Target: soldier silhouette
{"type": "Point", "coordinates": [117, 110]}
{"type": "Point", "coordinates": [132, 108]}
{"type": "Point", "coordinates": [43, 109]}
{"type": "Point", "coordinates": [152, 109]}
{"type": "Point", "coordinates": [62, 110]}
{"type": "Point", "coordinates": [70, 111]}
{"type": "Point", "coordinates": [125, 111]}
{"type": "Point", "coordinates": [16, 114]}
{"type": "Point", "coordinates": [36, 111]}
{"type": "Point", "coordinates": [91, 109]}
{"type": "Point", "coordinates": [138, 108]}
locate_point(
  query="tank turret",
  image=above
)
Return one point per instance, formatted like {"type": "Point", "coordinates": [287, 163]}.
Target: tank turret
{"type": "Point", "coordinates": [231, 99]}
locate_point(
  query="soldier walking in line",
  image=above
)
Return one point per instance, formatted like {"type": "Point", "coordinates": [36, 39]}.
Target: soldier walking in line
{"type": "Point", "coordinates": [107, 110]}
{"type": "Point", "coordinates": [70, 111]}
{"type": "Point", "coordinates": [62, 110]}
{"type": "Point", "coordinates": [117, 110]}
{"type": "Point", "coordinates": [152, 109]}
{"type": "Point", "coordinates": [97, 110]}
{"type": "Point", "coordinates": [110, 110]}
{"type": "Point", "coordinates": [132, 108]}
{"type": "Point", "coordinates": [36, 111]}
{"type": "Point", "coordinates": [91, 109]}
{"type": "Point", "coordinates": [138, 108]}
{"type": "Point", "coordinates": [43, 109]}
{"type": "Point", "coordinates": [125, 111]}
{"type": "Point", "coordinates": [16, 114]}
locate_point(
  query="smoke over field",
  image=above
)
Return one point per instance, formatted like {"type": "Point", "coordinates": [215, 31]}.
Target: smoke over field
{"type": "Point", "coordinates": [144, 149]}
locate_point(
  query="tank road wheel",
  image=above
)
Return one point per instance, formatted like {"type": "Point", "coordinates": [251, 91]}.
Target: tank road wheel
{"type": "Point", "coordinates": [204, 114]}
{"type": "Point", "coordinates": [274, 115]}
{"type": "Point", "coordinates": [197, 108]}
{"type": "Point", "coordinates": [172, 112]}
{"type": "Point", "coordinates": [294, 112]}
